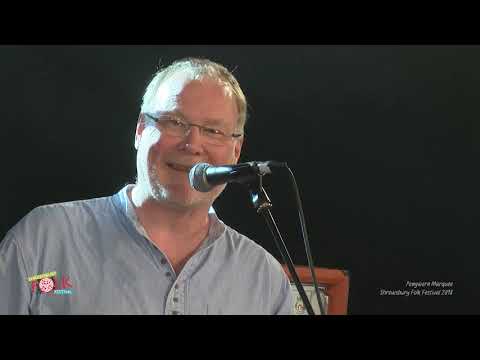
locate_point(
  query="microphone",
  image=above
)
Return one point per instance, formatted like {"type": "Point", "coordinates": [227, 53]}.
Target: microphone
{"type": "Point", "coordinates": [204, 177]}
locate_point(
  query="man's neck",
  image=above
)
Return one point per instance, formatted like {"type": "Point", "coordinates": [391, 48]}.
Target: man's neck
{"type": "Point", "coordinates": [177, 231]}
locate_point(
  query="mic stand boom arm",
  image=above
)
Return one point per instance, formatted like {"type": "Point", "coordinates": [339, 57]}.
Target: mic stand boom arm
{"type": "Point", "coordinates": [262, 204]}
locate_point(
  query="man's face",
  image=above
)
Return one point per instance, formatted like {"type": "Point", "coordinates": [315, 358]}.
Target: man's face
{"type": "Point", "coordinates": [164, 161]}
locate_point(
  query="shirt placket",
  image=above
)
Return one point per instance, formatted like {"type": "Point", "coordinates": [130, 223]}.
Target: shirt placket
{"type": "Point", "coordinates": [176, 303]}
{"type": "Point", "coordinates": [175, 300]}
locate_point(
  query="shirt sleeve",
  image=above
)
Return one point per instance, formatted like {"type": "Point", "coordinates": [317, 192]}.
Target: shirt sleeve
{"type": "Point", "coordinates": [285, 299]}
{"type": "Point", "coordinates": [14, 286]}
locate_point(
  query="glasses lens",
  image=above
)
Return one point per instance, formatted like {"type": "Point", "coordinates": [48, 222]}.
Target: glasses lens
{"type": "Point", "coordinates": [173, 126]}
{"type": "Point", "coordinates": [214, 136]}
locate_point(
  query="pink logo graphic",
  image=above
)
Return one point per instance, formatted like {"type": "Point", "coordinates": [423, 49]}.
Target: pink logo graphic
{"type": "Point", "coordinates": [46, 285]}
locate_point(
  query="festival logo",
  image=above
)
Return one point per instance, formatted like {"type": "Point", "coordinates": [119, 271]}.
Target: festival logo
{"type": "Point", "coordinates": [51, 283]}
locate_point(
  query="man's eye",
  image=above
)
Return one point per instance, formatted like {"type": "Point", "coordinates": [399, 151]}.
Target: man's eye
{"type": "Point", "coordinates": [211, 131]}
{"type": "Point", "coordinates": [174, 123]}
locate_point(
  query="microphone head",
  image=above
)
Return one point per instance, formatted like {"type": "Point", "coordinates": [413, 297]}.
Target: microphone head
{"type": "Point", "coordinates": [197, 177]}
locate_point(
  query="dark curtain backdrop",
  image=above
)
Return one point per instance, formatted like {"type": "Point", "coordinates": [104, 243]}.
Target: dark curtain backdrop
{"type": "Point", "coordinates": [383, 140]}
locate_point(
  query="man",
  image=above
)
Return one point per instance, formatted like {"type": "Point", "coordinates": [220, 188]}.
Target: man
{"type": "Point", "coordinates": [156, 247]}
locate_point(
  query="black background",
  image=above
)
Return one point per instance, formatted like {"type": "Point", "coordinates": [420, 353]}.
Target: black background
{"type": "Point", "coordinates": [383, 141]}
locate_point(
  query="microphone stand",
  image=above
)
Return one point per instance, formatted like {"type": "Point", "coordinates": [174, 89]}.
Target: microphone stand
{"type": "Point", "coordinates": [262, 205]}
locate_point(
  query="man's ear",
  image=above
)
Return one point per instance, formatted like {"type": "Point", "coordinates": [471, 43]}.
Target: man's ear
{"type": "Point", "coordinates": [139, 130]}
{"type": "Point", "coordinates": [238, 148]}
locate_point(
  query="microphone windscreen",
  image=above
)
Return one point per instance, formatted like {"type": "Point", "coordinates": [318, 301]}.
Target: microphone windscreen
{"type": "Point", "coordinates": [197, 177]}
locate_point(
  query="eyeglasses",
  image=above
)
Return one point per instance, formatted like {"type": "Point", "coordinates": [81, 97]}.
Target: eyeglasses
{"type": "Point", "coordinates": [175, 126]}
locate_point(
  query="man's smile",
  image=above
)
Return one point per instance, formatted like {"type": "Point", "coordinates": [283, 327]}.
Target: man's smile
{"type": "Point", "coordinates": [179, 167]}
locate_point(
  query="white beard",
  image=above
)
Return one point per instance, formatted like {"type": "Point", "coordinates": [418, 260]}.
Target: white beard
{"type": "Point", "coordinates": [155, 187]}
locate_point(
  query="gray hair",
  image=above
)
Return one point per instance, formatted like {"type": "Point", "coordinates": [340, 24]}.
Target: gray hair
{"type": "Point", "coordinates": [198, 69]}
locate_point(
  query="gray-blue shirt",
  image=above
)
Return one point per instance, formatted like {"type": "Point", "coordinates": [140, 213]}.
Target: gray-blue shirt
{"type": "Point", "coordinates": [93, 257]}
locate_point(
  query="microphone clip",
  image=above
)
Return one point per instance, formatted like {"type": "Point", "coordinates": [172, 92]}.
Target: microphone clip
{"type": "Point", "coordinates": [258, 196]}
{"type": "Point", "coordinates": [261, 168]}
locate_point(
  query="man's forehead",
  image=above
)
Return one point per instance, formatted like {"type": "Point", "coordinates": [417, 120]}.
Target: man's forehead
{"type": "Point", "coordinates": [166, 96]}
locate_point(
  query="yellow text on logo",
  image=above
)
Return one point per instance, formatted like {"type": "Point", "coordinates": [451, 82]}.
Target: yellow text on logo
{"type": "Point", "coordinates": [42, 276]}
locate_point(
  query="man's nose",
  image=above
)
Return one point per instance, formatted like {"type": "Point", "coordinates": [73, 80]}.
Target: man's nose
{"type": "Point", "coordinates": [192, 141]}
